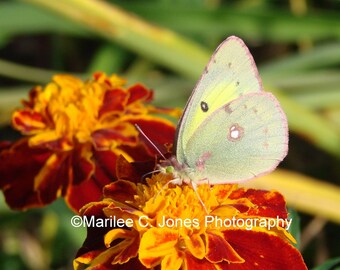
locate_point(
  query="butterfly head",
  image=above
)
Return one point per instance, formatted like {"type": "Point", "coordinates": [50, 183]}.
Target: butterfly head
{"type": "Point", "coordinates": [180, 172]}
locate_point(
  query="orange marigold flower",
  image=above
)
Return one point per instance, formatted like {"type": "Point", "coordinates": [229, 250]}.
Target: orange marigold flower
{"type": "Point", "coordinates": [73, 133]}
{"type": "Point", "coordinates": [168, 228]}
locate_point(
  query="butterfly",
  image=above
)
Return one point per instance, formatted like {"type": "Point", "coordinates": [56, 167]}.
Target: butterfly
{"type": "Point", "coordinates": [231, 130]}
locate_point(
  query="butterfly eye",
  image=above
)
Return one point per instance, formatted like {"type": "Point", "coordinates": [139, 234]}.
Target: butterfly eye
{"type": "Point", "coordinates": [204, 106]}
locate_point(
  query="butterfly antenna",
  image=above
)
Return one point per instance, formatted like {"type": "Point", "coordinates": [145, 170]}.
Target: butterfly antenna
{"type": "Point", "coordinates": [144, 175]}
{"type": "Point", "coordinates": [150, 142]}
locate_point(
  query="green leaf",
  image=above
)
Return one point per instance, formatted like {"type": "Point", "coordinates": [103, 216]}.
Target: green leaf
{"type": "Point", "coordinates": [269, 23]}
{"type": "Point", "coordinates": [332, 264]}
{"type": "Point", "coordinates": [109, 58]}
{"type": "Point", "coordinates": [20, 18]}
{"type": "Point", "coordinates": [318, 57]}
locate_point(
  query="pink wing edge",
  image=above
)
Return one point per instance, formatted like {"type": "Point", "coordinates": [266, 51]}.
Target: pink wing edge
{"type": "Point", "coordinates": [249, 55]}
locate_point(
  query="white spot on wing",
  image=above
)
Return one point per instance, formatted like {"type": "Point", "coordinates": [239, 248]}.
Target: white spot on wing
{"type": "Point", "coordinates": [235, 132]}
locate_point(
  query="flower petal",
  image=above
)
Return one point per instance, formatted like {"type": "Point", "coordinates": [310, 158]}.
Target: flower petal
{"type": "Point", "coordinates": [271, 252]}
{"type": "Point", "coordinates": [105, 166]}
{"type": "Point", "coordinates": [127, 248]}
{"type": "Point", "coordinates": [83, 193]}
{"type": "Point", "coordinates": [155, 244]}
{"type": "Point", "coordinates": [172, 262]}
{"type": "Point", "coordinates": [114, 102]}
{"type": "Point", "coordinates": [139, 93]}
{"type": "Point", "coordinates": [18, 174]}
{"type": "Point", "coordinates": [269, 203]}
{"type": "Point", "coordinates": [51, 140]}
{"type": "Point", "coordinates": [28, 121]}
{"type": "Point", "coordinates": [80, 262]}
{"type": "Point", "coordinates": [82, 163]}
{"type": "Point", "coordinates": [192, 263]}
{"type": "Point", "coordinates": [122, 133]}
{"type": "Point", "coordinates": [218, 250]}
{"type": "Point", "coordinates": [133, 171]}
{"type": "Point", "coordinates": [195, 245]}
{"type": "Point", "coordinates": [67, 81]}
{"type": "Point", "coordinates": [120, 190]}
{"type": "Point", "coordinates": [158, 130]}
{"type": "Point", "coordinates": [76, 131]}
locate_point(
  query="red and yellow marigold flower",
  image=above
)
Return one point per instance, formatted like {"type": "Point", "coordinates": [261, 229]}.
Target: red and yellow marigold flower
{"type": "Point", "coordinates": [74, 131]}
{"type": "Point", "coordinates": [144, 243]}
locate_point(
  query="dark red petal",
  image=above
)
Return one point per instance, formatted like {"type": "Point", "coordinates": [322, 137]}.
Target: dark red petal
{"type": "Point", "coordinates": [129, 252]}
{"type": "Point", "coordinates": [56, 177]}
{"type": "Point", "coordinates": [85, 189]}
{"type": "Point", "coordinates": [262, 251]}
{"type": "Point", "coordinates": [105, 167]}
{"type": "Point", "coordinates": [269, 203]}
{"type": "Point", "coordinates": [192, 263]}
{"type": "Point", "coordinates": [120, 190]}
{"type": "Point", "coordinates": [18, 167]}
{"type": "Point", "coordinates": [114, 102]}
{"type": "Point", "coordinates": [139, 92]}
{"type": "Point", "coordinates": [138, 152]}
{"type": "Point", "coordinates": [218, 249]}
{"type": "Point", "coordinates": [159, 131]}
{"type": "Point", "coordinates": [133, 263]}
{"type": "Point", "coordinates": [62, 144]}
{"type": "Point", "coordinates": [27, 121]}
{"type": "Point", "coordinates": [4, 145]}
{"type": "Point", "coordinates": [82, 164]}
{"type": "Point", "coordinates": [94, 243]}
{"type": "Point", "coordinates": [83, 193]}
{"type": "Point", "coordinates": [32, 97]}
{"type": "Point", "coordinates": [134, 171]}
{"type": "Point", "coordinates": [104, 138]}
{"type": "Point", "coordinates": [95, 234]}
{"type": "Point", "coordinates": [97, 75]}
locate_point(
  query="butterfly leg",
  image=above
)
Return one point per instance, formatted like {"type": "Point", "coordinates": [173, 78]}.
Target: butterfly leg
{"type": "Point", "coordinates": [176, 181]}
{"type": "Point", "coordinates": [194, 187]}
{"type": "Point", "coordinates": [203, 181]}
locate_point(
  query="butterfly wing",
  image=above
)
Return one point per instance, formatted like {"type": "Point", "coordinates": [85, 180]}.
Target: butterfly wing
{"type": "Point", "coordinates": [230, 73]}
{"type": "Point", "coordinates": [239, 141]}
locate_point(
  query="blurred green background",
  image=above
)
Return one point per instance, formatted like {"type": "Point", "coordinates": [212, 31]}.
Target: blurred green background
{"type": "Point", "coordinates": [165, 45]}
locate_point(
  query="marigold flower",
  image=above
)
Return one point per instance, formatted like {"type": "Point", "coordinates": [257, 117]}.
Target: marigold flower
{"type": "Point", "coordinates": [74, 131]}
{"type": "Point", "coordinates": [167, 228]}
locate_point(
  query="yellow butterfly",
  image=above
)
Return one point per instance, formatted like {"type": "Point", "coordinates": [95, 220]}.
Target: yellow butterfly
{"type": "Point", "coordinates": [231, 130]}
